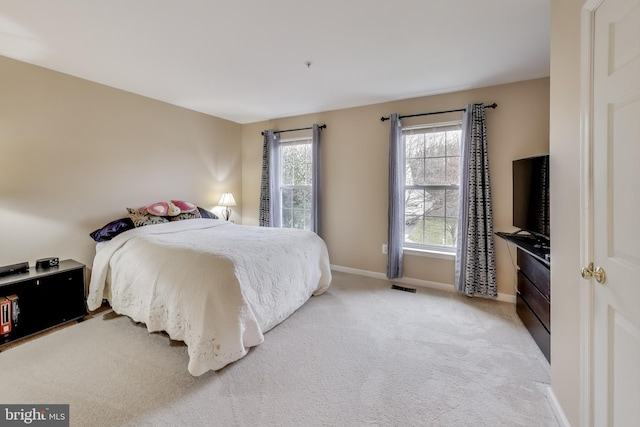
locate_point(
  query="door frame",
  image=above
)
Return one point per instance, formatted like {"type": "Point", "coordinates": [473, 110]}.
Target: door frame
{"type": "Point", "coordinates": [587, 32]}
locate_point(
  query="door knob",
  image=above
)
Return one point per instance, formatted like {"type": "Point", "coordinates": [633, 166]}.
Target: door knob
{"type": "Point", "coordinates": [599, 275]}
{"type": "Point", "coordinates": [588, 272]}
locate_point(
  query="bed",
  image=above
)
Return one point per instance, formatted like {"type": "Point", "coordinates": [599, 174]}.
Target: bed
{"type": "Point", "coordinates": [213, 284]}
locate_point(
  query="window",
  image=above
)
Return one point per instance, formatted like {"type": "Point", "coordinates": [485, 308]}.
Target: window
{"type": "Point", "coordinates": [432, 175]}
{"type": "Point", "coordinates": [295, 183]}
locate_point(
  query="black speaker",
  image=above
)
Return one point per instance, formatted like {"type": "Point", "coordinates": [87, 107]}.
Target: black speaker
{"type": "Point", "coordinates": [20, 267]}
{"type": "Point", "coordinates": [47, 263]}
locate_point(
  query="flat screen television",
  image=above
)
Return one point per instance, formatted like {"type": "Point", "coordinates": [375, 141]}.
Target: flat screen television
{"type": "Point", "coordinates": [531, 196]}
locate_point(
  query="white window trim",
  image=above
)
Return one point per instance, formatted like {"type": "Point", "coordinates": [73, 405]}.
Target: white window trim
{"type": "Point", "coordinates": [295, 140]}
{"type": "Point", "coordinates": [303, 140]}
{"type": "Point", "coordinates": [427, 251]}
{"type": "Point", "coordinates": [433, 125]}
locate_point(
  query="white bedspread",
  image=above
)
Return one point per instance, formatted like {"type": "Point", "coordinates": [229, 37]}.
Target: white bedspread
{"type": "Point", "coordinates": [215, 285]}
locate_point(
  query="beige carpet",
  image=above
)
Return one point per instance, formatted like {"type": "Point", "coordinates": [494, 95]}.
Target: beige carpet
{"type": "Point", "coordinates": [359, 355]}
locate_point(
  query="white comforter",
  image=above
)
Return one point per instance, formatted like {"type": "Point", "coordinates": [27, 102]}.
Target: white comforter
{"type": "Point", "coordinates": [215, 285]}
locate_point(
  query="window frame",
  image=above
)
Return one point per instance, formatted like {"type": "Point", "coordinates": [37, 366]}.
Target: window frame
{"type": "Point", "coordinates": [437, 251]}
{"type": "Point", "coordinates": [302, 140]}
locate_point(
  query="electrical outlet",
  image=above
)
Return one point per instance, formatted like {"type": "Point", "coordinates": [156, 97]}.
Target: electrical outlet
{"type": "Point", "coordinates": [384, 248]}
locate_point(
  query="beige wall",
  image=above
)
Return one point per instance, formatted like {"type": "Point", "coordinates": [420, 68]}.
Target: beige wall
{"type": "Point", "coordinates": [564, 141]}
{"type": "Point", "coordinates": [74, 154]}
{"type": "Point", "coordinates": [354, 171]}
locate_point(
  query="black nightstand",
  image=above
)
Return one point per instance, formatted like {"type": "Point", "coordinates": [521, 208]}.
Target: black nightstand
{"type": "Point", "coordinates": [46, 298]}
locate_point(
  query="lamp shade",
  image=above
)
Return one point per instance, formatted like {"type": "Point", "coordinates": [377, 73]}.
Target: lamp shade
{"type": "Point", "coordinates": [227, 200]}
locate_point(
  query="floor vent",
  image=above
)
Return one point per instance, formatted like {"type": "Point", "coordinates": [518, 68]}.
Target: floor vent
{"type": "Point", "coordinates": [402, 288]}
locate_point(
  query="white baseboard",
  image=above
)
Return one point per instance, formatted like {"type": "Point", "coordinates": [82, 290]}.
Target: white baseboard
{"type": "Point", "coordinates": [413, 282]}
{"type": "Point", "coordinates": [557, 409]}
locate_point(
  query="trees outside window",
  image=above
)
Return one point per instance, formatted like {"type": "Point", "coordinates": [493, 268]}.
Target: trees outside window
{"type": "Point", "coordinates": [432, 175]}
{"type": "Point", "coordinates": [295, 183]}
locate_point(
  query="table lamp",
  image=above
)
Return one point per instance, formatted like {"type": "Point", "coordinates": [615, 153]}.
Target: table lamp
{"type": "Point", "coordinates": [226, 200]}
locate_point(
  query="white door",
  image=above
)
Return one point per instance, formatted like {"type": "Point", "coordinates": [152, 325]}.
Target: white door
{"type": "Point", "coordinates": [613, 237]}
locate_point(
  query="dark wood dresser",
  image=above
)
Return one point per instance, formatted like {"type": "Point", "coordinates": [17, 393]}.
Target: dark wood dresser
{"type": "Point", "coordinates": [533, 303]}
{"type": "Point", "coordinates": [533, 298]}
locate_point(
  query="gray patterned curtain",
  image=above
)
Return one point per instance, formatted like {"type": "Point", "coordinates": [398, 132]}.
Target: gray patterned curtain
{"type": "Point", "coordinates": [315, 180]}
{"type": "Point", "coordinates": [396, 199]}
{"type": "Point", "coordinates": [269, 186]}
{"type": "Point", "coordinates": [475, 257]}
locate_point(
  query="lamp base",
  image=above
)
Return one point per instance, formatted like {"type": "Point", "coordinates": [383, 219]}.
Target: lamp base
{"type": "Point", "coordinates": [226, 213]}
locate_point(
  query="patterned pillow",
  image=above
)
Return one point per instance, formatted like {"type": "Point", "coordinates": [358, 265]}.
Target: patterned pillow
{"type": "Point", "coordinates": [141, 217]}
{"type": "Point", "coordinates": [112, 229]}
{"type": "Point", "coordinates": [186, 215]}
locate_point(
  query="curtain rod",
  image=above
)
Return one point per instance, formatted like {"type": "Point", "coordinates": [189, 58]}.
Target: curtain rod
{"type": "Point", "coordinates": [494, 105]}
{"type": "Point", "coordinates": [291, 130]}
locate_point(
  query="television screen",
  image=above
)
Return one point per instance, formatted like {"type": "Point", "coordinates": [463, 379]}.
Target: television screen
{"type": "Point", "coordinates": [531, 195]}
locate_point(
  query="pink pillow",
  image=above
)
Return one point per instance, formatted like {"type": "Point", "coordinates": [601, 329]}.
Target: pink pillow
{"type": "Point", "coordinates": [163, 209]}
{"type": "Point", "coordinates": [184, 206]}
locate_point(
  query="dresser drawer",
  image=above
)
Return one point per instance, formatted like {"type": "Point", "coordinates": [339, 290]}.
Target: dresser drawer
{"type": "Point", "coordinates": [534, 299]}
{"type": "Point", "coordinates": [536, 272]}
{"type": "Point", "coordinates": [540, 335]}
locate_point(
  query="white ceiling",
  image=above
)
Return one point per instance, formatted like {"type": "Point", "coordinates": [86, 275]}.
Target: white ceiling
{"type": "Point", "coordinates": [244, 60]}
